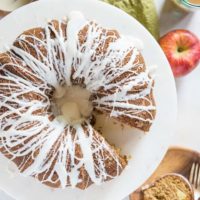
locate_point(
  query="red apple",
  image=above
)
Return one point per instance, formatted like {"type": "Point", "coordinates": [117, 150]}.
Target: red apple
{"type": "Point", "coordinates": [182, 49]}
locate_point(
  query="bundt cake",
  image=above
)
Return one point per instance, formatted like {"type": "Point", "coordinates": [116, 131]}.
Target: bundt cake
{"type": "Point", "coordinates": [38, 74]}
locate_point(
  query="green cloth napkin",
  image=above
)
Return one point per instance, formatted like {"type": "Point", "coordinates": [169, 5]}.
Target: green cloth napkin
{"type": "Point", "coordinates": [143, 10]}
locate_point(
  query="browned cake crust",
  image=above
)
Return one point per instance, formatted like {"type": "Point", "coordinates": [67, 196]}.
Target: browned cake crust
{"type": "Point", "coordinates": [34, 42]}
{"type": "Point", "coordinates": [147, 101]}
{"type": "Point", "coordinates": [114, 165]}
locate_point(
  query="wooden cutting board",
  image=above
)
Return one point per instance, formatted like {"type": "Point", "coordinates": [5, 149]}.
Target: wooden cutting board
{"type": "Point", "coordinates": [177, 160]}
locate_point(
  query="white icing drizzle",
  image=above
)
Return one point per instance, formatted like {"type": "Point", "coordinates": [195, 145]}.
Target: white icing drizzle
{"type": "Point", "coordinates": [24, 132]}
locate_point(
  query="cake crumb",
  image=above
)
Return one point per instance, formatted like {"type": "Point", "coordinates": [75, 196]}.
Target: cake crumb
{"type": "Point", "coordinates": [129, 157]}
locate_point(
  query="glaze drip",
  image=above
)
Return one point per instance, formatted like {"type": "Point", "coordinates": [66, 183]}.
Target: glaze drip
{"type": "Point", "coordinates": [38, 65]}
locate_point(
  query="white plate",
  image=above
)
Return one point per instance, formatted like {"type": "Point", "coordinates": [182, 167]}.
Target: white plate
{"type": "Point", "coordinates": [146, 150]}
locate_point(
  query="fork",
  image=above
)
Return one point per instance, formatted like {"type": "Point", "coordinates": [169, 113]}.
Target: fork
{"type": "Point", "coordinates": [194, 179]}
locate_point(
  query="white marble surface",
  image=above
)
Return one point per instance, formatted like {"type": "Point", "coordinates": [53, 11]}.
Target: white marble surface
{"type": "Point", "coordinates": [188, 87]}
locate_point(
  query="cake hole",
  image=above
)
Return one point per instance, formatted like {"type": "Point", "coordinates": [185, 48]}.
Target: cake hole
{"type": "Point", "coordinates": [72, 104]}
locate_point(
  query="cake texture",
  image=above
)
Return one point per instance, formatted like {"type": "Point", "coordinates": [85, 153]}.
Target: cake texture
{"type": "Point", "coordinates": [44, 62]}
